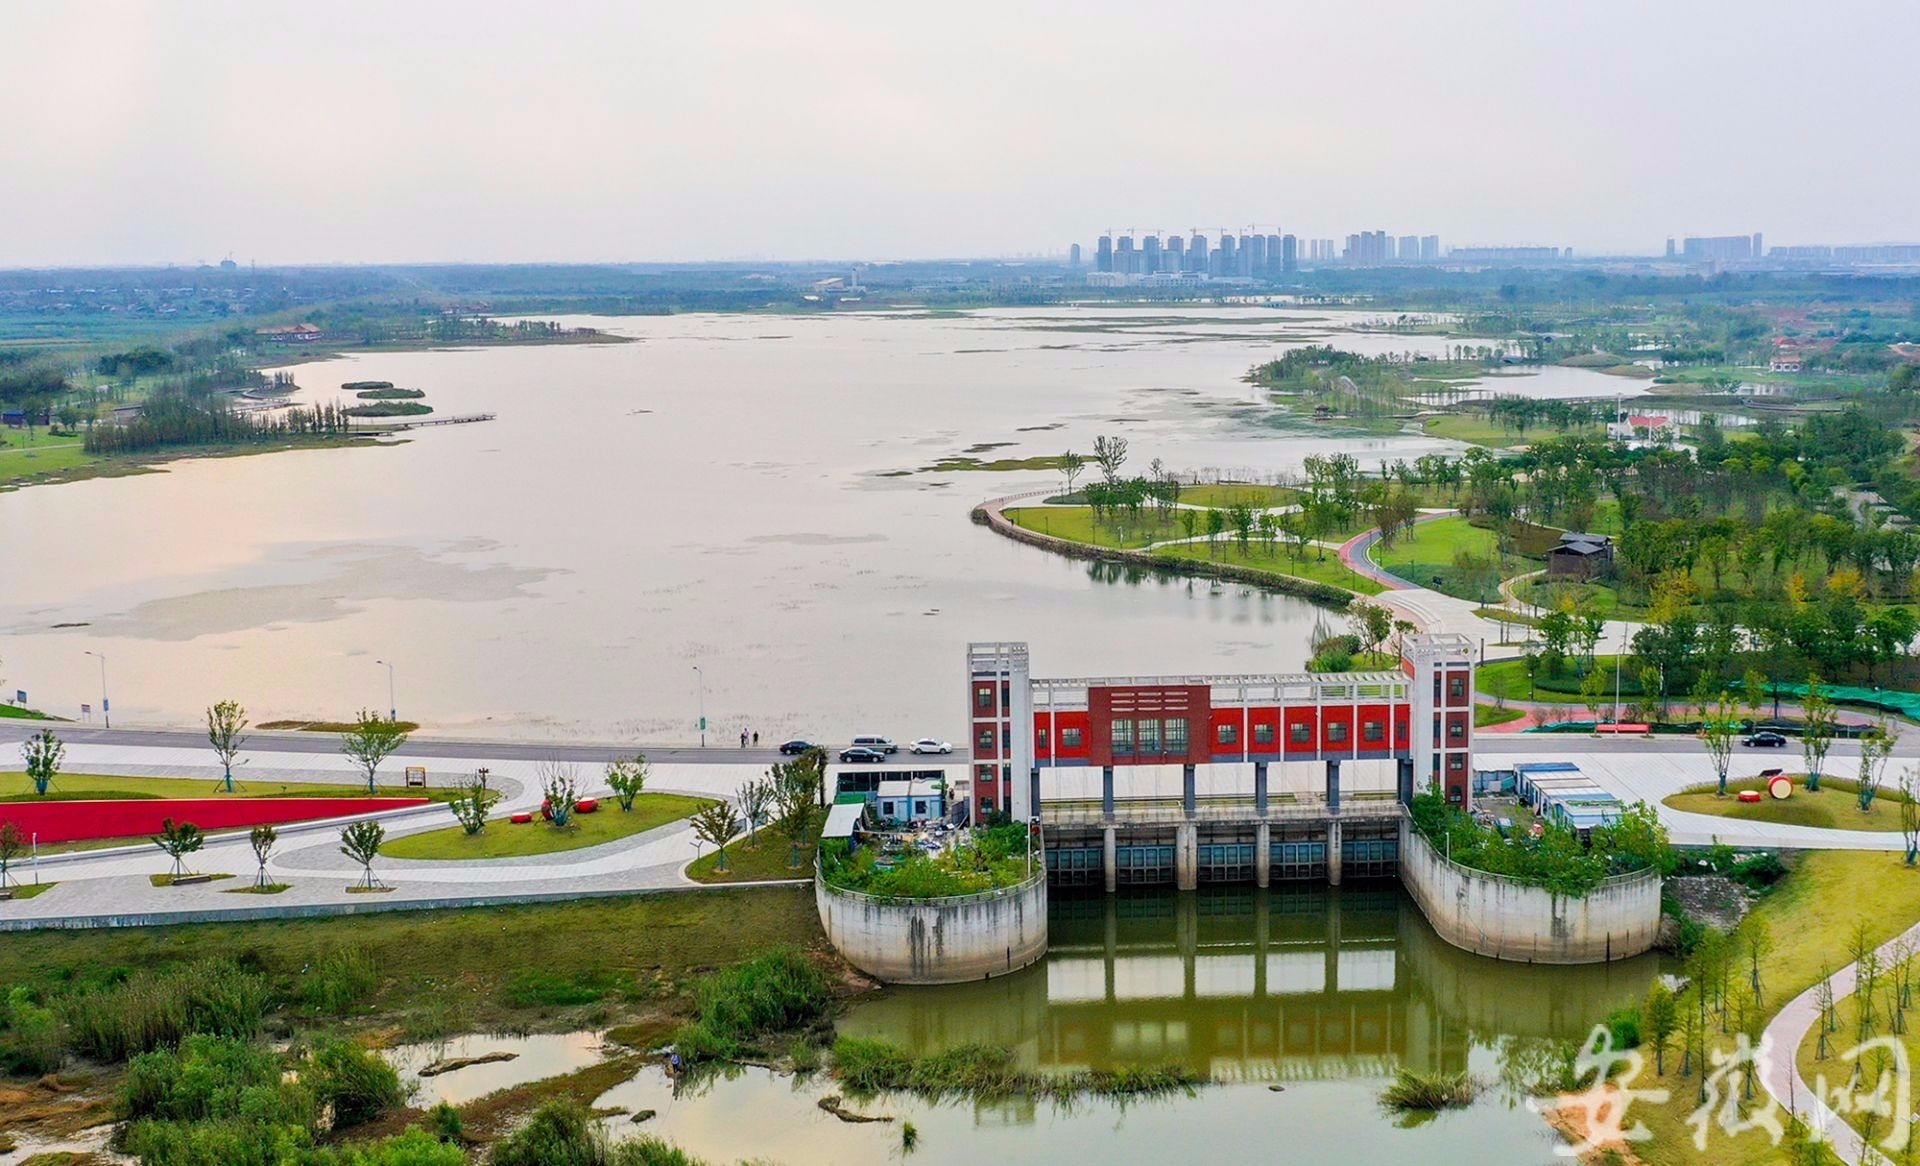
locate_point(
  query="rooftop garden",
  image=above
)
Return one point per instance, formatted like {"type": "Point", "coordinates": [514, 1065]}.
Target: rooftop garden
{"type": "Point", "coordinates": [1559, 860]}
{"type": "Point", "coordinates": [979, 860]}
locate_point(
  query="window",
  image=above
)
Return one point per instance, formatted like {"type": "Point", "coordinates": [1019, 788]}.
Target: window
{"type": "Point", "coordinates": [1006, 737]}
{"type": "Point", "coordinates": [1456, 727]}
{"type": "Point", "coordinates": [1228, 734]}
{"type": "Point", "coordinates": [1456, 685]}
{"type": "Point", "coordinates": [983, 697]}
{"type": "Point", "coordinates": [1069, 738]}
{"type": "Point", "coordinates": [1263, 734]}
{"type": "Point", "coordinates": [986, 739]}
{"type": "Point", "coordinates": [1373, 731]}
{"type": "Point", "coordinates": [1123, 738]}
{"type": "Point", "coordinates": [1300, 732]}
{"type": "Point", "coordinates": [986, 805]}
{"type": "Point", "coordinates": [1175, 729]}
{"type": "Point", "coordinates": [1149, 737]}
{"type": "Point", "coordinates": [1040, 740]}
{"type": "Point", "coordinates": [1457, 761]}
{"type": "Point", "coordinates": [1337, 731]}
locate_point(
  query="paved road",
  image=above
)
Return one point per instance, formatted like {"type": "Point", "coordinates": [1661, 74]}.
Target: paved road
{"type": "Point", "coordinates": [418, 745]}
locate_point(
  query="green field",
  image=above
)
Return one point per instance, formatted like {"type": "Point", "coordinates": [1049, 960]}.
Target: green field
{"type": "Point", "coordinates": [1487, 714]}
{"type": "Point", "coordinates": [21, 713]}
{"type": "Point", "coordinates": [1834, 806]}
{"type": "Point", "coordinates": [1077, 524]}
{"type": "Point", "coordinates": [1224, 494]}
{"type": "Point", "coordinates": [1308, 566]}
{"type": "Point", "coordinates": [1508, 679]}
{"type": "Point", "coordinates": [16, 787]}
{"type": "Point", "coordinates": [765, 862]}
{"type": "Point", "coordinates": [503, 839]}
{"type": "Point", "coordinates": [23, 460]}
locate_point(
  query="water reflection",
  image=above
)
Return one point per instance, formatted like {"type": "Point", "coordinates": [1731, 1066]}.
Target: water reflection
{"type": "Point", "coordinates": [1243, 984]}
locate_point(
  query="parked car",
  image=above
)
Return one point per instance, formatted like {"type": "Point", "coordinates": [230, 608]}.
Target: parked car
{"type": "Point", "coordinates": [1767, 739]}
{"type": "Point", "coordinates": [861, 753]}
{"type": "Point", "coordinates": [876, 743]}
{"type": "Point", "coordinates": [795, 747]}
{"type": "Point", "coordinates": [929, 745]}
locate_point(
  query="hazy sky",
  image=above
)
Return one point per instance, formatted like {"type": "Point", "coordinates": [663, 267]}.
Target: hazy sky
{"type": "Point", "coordinates": [187, 130]}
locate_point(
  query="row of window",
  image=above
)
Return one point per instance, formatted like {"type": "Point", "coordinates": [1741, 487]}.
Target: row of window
{"type": "Point", "coordinates": [1149, 736]}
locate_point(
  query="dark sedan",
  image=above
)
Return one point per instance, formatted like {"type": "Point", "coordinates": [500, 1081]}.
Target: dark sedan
{"type": "Point", "coordinates": [1767, 739]}
{"type": "Point", "coordinates": [795, 747]}
{"type": "Point", "coordinates": [861, 753]}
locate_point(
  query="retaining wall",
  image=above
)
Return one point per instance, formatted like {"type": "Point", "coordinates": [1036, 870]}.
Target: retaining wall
{"type": "Point", "coordinates": [1496, 916]}
{"type": "Point", "coordinates": [937, 941]}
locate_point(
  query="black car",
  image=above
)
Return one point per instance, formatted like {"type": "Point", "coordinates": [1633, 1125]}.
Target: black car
{"type": "Point", "coordinates": [861, 753]}
{"type": "Point", "coordinates": [1767, 739]}
{"type": "Point", "coordinates": [795, 747]}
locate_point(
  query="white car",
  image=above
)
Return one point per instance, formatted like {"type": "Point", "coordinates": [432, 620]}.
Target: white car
{"type": "Point", "coordinates": [929, 745]}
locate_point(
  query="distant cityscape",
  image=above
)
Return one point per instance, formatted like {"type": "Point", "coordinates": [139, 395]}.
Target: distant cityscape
{"type": "Point", "coordinates": [1251, 255]}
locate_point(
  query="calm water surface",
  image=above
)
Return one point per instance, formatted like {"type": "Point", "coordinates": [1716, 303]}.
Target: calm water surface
{"type": "Point", "coordinates": [740, 493]}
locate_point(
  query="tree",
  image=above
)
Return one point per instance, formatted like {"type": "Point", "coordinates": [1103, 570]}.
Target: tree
{"type": "Point", "coordinates": [1110, 453]}
{"type": "Point", "coordinates": [1190, 521]}
{"type": "Point", "coordinates": [179, 839]}
{"type": "Point", "coordinates": [1910, 815]}
{"type": "Point", "coordinates": [1071, 464]}
{"type": "Point", "coordinates": [1593, 692]}
{"type": "Point", "coordinates": [12, 844]}
{"type": "Point", "coordinates": [627, 779]}
{"type": "Point", "coordinates": [361, 842]}
{"type": "Point", "coordinates": [559, 791]}
{"type": "Point", "coordinates": [225, 724]}
{"type": "Point", "coordinates": [42, 753]}
{"type": "Point", "coordinates": [756, 795]}
{"type": "Point", "coordinates": [794, 807]}
{"type": "Point", "coordinates": [1759, 944]}
{"type": "Point", "coordinates": [470, 809]}
{"type": "Point", "coordinates": [1717, 729]}
{"type": "Point", "coordinates": [262, 839]}
{"type": "Point", "coordinates": [1817, 737]}
{"type": "Point", "coordinates": [1662, 1016]}
{"type": "Point", "coordinates": [1372, 622]}
{"type": "Point", "coordinates": [372, 739]}
{"type": "Point", "coordinates": [717, 824]}
{"type": "Point", "coordinates": [1216, 524]}
{"type": "Point", "coordinates": [1875, 748]}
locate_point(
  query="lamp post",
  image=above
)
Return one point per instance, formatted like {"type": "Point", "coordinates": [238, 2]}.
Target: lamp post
{"type": "Point", "coordinates": [106, 710]}
{"type": "Point", "coordinates": [700, 680]}
{"type": "Point", "coordinates": [393, 710]}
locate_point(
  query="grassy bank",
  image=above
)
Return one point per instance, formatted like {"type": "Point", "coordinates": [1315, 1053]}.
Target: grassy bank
{"type": "Point", "coordinates": [1278, 561]}
{"type": "Point", "coordinates": [761, 862]}
{"type": "Point", "coordinates": [1221, 495]}
{"type": "Point", "coordinates": [503, 839]}
{"type": "Point", "coordinates": [76, 465]}
{"type": "Point", "coordinates": [1834, 806]}
{"type": "Point", "coordinates": [979, 1072]}
{"type": "Point", "coordinates": [1079, 524]}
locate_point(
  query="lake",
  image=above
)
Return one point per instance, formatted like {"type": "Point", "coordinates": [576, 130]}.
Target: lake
{"type": "Point", "coordinates": [733, 492]}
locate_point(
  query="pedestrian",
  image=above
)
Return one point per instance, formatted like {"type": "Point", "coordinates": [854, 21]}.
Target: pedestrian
{"type": "Point", "coordinates": [756, 738]}
{"type": "Point", "coordinates": [743, 738]}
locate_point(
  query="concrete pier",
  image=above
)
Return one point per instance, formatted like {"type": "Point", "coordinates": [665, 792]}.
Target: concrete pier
{"type": "Point", "coordinates": [1186, 856]}
{"type": "Point", "coordinates": [1263, 854]}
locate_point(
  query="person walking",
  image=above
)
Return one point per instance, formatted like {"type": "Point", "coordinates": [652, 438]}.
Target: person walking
{"type": "Point", "coordinates": [756, 738]}
{"type": "Point", "coordinates": [743, 738]}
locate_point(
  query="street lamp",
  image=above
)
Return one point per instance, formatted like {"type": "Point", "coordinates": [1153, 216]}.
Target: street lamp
{"type": "Point", "coordinates": [700, 678]}
{"type": "Point", "coordinates": [393, 712]}
{"type": "Point", "coordinates": [106, 710]}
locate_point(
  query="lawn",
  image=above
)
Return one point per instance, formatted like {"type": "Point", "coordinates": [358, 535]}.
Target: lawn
{"type": "Point", "coordinates": [1834, 806]}
{"type": "Point", "coordinates": [73, 787]}
{"type": "Point", "coordinates": [1077, 524]}
{"type": "Point", "coordinates": [449, 970]}
{"type": "Point", "coordinates": [1308, 566]}
{"type": "Point", "coordinates": [503, 839]}
{"type": "Point", "coordinates": [767, 861]}
{"type": "Point", "coordinates": [1508, 679]}
{"type": "Point", "coordinates": [1224, 494]}
{"type": "Point", "coordinates": [1487, 714]}
{"type": "Point", "coordinates": [21, 460]}
{"type": "Point", "coordinates": [21, 712]}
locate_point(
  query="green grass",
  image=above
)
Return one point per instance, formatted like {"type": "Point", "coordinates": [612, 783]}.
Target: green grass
{"type": "Point", "coordinates": [22, 461]}
{"type": "Point", "coordinates": [737, 1011]}
{"type": "Point", "coordinates": [1309, 565]}
{"type": "Point", "coordinates": [1416, 552]}
{"type": "Point", "coordinates": [29, 890]}
{"type": "Point", "coordinates": [19, 712]}
{"type": "Point", "coordinates": [1414, 1090]}
{"type": "Point", "coordinates": [984, 1072]}
{"type": "Point", "coordinates": [269, 889]}
{"type": "Point", "coordinates": [1508, 678]}
{"type": "Point", "coordinates": [166, 880]}
{"type": "Point", "coordinates": [1834, 806]}
{"type": "Point", "coordinates": [1487, 714]}
{"type": "Point", "coordinates": [502, 839]}
{"type": "Point", "coordinates": [1223, 494]}
{"type": "Point", "coordinates": [966, 462]}
{"type": "Point", "coordinates": [16, 787]}
{"type": "Point", "coordinates": [767, 862]}
{"type": "Point", "coordinates": [1475, 429]}
{"type": "Point", "coordinates": [1076, 524]}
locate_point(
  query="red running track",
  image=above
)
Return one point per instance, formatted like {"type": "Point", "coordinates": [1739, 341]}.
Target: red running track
{"type": "Point", "coordinates": [132, 818]}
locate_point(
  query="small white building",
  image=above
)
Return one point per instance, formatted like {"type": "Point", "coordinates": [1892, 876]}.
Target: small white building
{"type": "Point", "coordinates": [910, 800]}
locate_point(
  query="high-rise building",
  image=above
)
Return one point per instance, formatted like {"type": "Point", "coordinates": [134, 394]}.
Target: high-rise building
{"type": "Point", "coordinates": [1243, 256]}
{"type": "Point", "coordinates": [1175, 259]}
{"type": "Point", "coordinates": [1228, 262]}
{"type": "Point", "coordinates": [1289, 254]}
{"type": "Point", "coordinates": [1671, 253]}
{"type": "Point", "coordinates": [1409, 249]}
{"type": "Point", "coordinates": [1073, 256]}
{"type": "Point", "coordinates": [1429, 248]}
{"type": "Point", "coordinates": [1197, 258]}
{"type": "Point", "coordinates": [1103, 254]}
{"type": "Point", "coordinates": [1124, 260]}
{"type": "Point", "coordinates": [1758, 251]}
{"type": "Point", "coordinates": [1150, 256]}
{"type": "Point", "coordinates": [1718, 248]}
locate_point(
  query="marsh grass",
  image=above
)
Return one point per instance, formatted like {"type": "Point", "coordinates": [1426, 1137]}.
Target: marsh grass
{"type": "Point", "coordinates": [1412, 1090]}
{"type": "Point", "coordinates": [982, 1072]}
{"type": "Point", "coordinates": [738, 1009]}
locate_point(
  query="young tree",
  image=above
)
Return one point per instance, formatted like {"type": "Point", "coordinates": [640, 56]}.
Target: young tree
{"type": "Point", "coordinates": [1753, 687]}
{"type": "Point", "coordinates": [361, 842]}
{"type": "Point", "coordinates": [1662, 1017]}
{"type": "Point", "coordinates": [1817, 737]}
{"type": "Point", "coordinates": [794, 807]}
{"type": "Point", "coordinates": [1875, 748]}
{"type": "Point", "coordinates": [627, 779]}
{"type": "Point", "coordinates": [1071, 464]}
{"type": "Point", "coordinates": [1190, 522]}
{"type": "Point", "coordinates": [41, 754]}
{"type": "Point", "coordinates": [1593, 692]}
{"type": "Point", "coordinates": [755, 796]}
{"type": "Point", "coordinates": [12, 844]}
{"type": "Point", "coordinates": [262, 839]}
{"type": "Point", "coordinates": [560, 791]}
{"type": "Point", "coordinates": [226, 724]}
{"type": "Point", "coordinates": [1910, 815]}
{"type": "Point", "coordinates": [372, 740]}
{"type": "Point", "coordinates": [1110, 453]}
{"type": "Point", "coordinates": [716, 825]}
{"type": "Point", "coordinates": [1718, 727]}
{"type": "Point", "coordinates": [1372, 622]}
{"type": "Point", "coordinates": [178, 839]}
{"type": "Point", "coordinates": [471, 808]}
{"type": "Point", "coordinates": [1757, 938]}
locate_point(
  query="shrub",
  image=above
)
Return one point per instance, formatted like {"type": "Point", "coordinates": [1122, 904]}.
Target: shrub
{"type": "Point", "coordinates": [413, 1148]}
{"type": "Point", "coordinates": [1624, 1024]}
{"type": "Point", "coordinates": [358, 1084]}
{"type": "Point", "coordinates": [30, 1043]}
{"type": "Point", "coordinates": [1412, 1090]}
{"type": "Point", "coordinates": [559, 1134]}
{"type": "Point", "coordinates": [342, 978]}
{"type": "Point", "coordinates": [214, 1100]}
{"type": "Point", "coordinates": [741, 1006]}
{"type": "Point", "coordinates": [153, 1010]}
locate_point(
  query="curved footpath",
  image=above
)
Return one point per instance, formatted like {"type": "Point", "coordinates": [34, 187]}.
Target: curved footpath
{"type": "Point", "coordinates": [1780, 1070]}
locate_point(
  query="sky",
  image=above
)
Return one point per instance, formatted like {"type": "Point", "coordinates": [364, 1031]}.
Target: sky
{"type": "Point", "coordinates": [186, 131]}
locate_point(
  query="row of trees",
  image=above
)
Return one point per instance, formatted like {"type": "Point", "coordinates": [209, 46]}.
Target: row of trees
{"type": "Point", "coordinates": [178, 420]}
